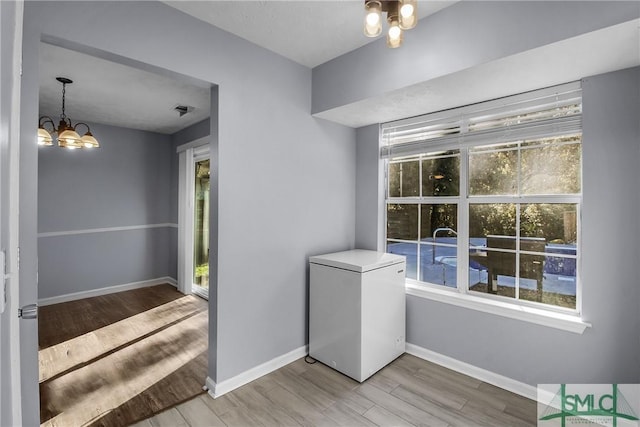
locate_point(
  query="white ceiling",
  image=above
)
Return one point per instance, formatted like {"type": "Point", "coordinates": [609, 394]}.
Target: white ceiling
{"type": "Point", "coordinates": [114, 94]}
{"type": "Point", "coordinates": [308, 32]}
{"type": "Point", "coordinates": [313, 32]}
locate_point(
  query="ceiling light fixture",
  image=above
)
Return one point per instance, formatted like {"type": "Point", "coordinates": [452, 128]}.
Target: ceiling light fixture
{"type": "Point", "coordinates": [66, 131]}
{"type": "Point", "coordinates": [401, 15]}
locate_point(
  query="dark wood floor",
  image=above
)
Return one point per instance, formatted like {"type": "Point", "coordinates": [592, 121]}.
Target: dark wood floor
{"type": "Point", "coordinates": [408, 392]}
{"type": "Point", "coordinates": [115, 359]}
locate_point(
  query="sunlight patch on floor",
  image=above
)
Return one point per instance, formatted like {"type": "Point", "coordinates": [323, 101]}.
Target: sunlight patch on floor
{"type": "Point", "coordinates": [92, 391]}
{"type": "Point", "coordinates": [61, 357]}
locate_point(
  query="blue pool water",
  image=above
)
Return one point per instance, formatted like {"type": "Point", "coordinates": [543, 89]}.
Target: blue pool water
{"type": "Point", "coordinates": [438, 264]}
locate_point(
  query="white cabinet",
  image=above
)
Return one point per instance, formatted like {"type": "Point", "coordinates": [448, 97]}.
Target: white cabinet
{"type": "Point", "coordinates": [357, 311]}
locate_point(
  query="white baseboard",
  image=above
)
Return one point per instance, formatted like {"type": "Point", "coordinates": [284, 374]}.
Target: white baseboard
{"type": "Point", "coordinates": [106, 290]}
{"type": "Point", "coordinates": [217, 390]}
{"type": "Point", "coordinates": [497, 380]}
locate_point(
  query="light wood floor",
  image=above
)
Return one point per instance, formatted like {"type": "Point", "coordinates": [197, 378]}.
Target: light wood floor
{"type": "Point", "coordinates": [408, 392]}
{"type": "Point", "coordinates": [116, 359]}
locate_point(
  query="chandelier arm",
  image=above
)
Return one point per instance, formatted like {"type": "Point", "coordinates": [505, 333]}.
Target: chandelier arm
{"type": "Point", "coordinates": [81, 123]}
{"type": "Point", "coordinates": [44, 120]}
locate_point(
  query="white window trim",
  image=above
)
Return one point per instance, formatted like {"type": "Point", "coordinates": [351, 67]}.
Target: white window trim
{"type": "Point", "coordinates": [570, 322]}
{"type": "Point", "coordinates": [565, 322]}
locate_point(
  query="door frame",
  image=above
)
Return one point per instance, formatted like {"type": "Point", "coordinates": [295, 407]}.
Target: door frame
{"type": "Point", "coordinates": [11, 390]}
{"type": "Point", "coordinates": [187, 155]}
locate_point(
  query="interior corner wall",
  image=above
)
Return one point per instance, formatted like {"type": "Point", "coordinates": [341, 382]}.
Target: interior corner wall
{"type": "Point", "coordinates": [191, 133]}
{"type": "Point", "coordinates": [535, 354]}
{"type": "Point", "coordinates": [85, 197]}
{"type": "Point", "coordinates": [370, 191]}
{"type": "Point", "coordinates": [286, 185]}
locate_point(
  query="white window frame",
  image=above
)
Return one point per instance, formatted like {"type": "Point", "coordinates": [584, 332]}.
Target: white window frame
{"type": "Point", "coordinates": [547, 315]}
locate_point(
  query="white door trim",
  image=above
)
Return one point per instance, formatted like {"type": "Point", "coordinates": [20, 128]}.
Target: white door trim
{"type": "Point", "coordinates": [13, 288]}
{"type": "Point", "coordinates": [193, 151]}
{"type": "Point", "coordinates": [185, 221]}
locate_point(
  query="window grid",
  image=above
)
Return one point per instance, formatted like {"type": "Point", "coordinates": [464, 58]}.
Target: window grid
{"type": "Point", "coordinates": [465, 199]}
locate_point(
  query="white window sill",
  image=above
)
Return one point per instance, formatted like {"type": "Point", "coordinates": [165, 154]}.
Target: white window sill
{"type": "Point", "coordinates": [565, 322]}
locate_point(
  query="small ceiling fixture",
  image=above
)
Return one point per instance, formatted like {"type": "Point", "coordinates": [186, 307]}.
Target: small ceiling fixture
{"type": "Point", "coordinates": [183, 109]}
{"type": "Point", "coordinates": [401, 15]}
{"type": "Point", "coordinates": [66, 131]}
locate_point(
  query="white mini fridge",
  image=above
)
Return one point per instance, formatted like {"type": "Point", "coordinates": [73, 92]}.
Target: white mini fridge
{"type": "Point", "coordinates": [357, 310]}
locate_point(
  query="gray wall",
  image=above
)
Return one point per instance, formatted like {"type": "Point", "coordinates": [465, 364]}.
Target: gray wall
{"type": "Point", "coordinates": [369, 185]}
{"type": "Point", "coordinates": [462, 36]}
{"type": "Point", "coordinates": [126, 182]}
{"type": "Point", "coordinates": [193, 132]}
{"type": "Point", "coordinates": [533, 354]}
{"type": "Point", "coordinates": [286, 184]}
{"type": "Point", "coordinates": [610, 256]}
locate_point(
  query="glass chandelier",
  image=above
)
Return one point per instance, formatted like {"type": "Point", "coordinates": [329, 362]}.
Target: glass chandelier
{"type": "Point", "coordinates": [401, 15]}
{"type": "Point", "coordinates": [66, 132]}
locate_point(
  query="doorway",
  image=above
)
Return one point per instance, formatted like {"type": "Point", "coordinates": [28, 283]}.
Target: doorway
{"type": "Point", "coordinates": [126, 190]}
{"type": "Point", "coordinates": [193, 218]}
{"type": "Point", "coordinates": [201, 227]}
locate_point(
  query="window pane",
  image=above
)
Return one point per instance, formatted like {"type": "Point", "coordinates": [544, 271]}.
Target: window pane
{"type": "Point", "coordinates": [410, 251]}
{"type": "Point", "coordinates": [440, 218]}
{"type": "Point", "coordinates": [551, 169]}
{"type": "Point", "coordinates": [493, 173]}
{"type": "Point", "coordinates": [478, 270]}
{"type": "Point", "coordinates": [404, 179]}
{"type": "Point", "coordinates": [548, 279]}
{"type": "Point", "coordinates": [492, 272]}
{"type": "Point", "coordinates": [402, 221]}
{"type": "Point", "coordinates": [438, 265]}
{"type": "Point", "coordinates": [441, 176]}
{"type": "Point", "coordinates": [491, 219]}
{"type": "Point", "coordinates": [201, 224]}
{"type": "Point", "coordinates": [554, 222]}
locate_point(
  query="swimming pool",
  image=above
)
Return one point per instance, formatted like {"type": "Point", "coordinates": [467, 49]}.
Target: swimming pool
{"type": "Point", "coordinates": [438, 265]}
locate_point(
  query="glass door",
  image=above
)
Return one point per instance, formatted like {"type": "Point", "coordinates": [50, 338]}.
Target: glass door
{"type": "Point", "coordinates": [201, 227]}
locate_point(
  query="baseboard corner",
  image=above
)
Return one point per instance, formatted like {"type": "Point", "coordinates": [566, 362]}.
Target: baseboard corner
{"type": "Point", "coordinates": [210, 386]}
{"type": "Point", "coordinates": [218, 389]}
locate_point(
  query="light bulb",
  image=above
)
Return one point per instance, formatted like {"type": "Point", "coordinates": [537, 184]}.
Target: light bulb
{"type": "Point", "coordinates": [406, 10]}
{"type": "Point", "coordinates": [69, 138]}
{"type": "Point", "coordinates": [408, 14]}
{"type": "Point", "coordinates": [373, 18]}
{"type": "Point", "coordinates": [44, 137]}
{"type": "Point", "coordinates": [394, 32]}
{"type": "Point", "coordinates": [88, 141]}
